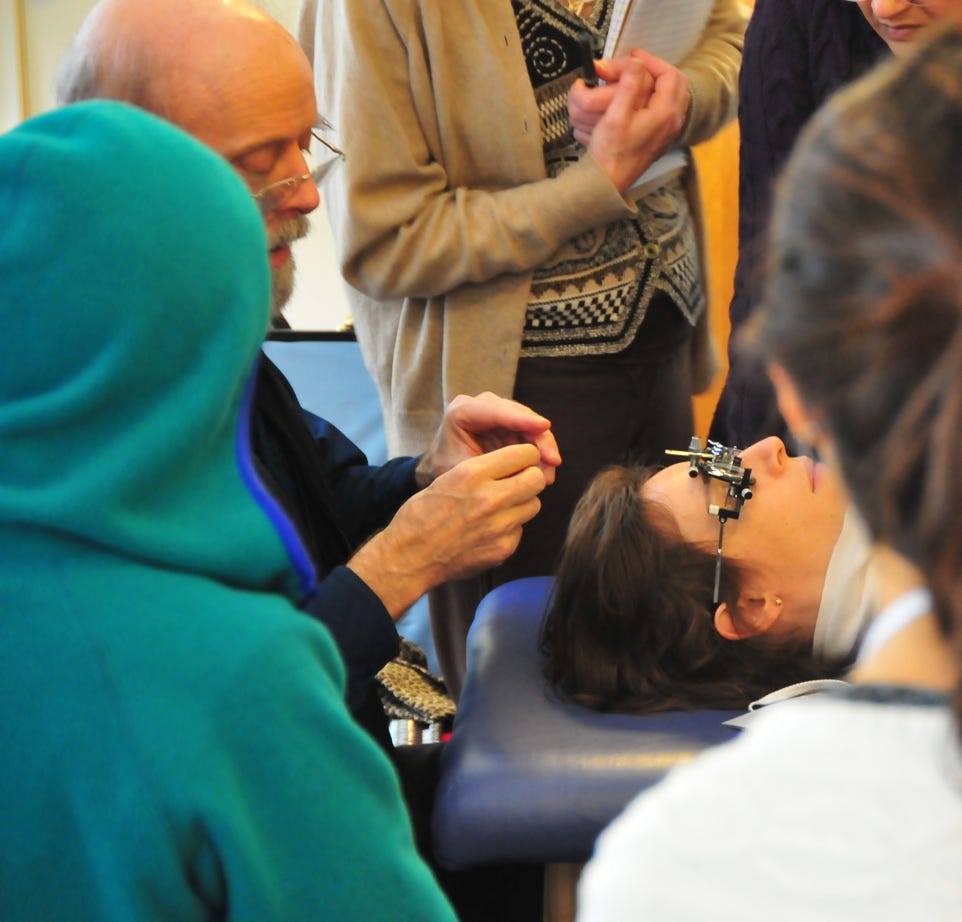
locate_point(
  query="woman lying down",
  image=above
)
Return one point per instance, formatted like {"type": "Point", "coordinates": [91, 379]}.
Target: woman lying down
{"type": "Point", "coordinates": [702, 586]}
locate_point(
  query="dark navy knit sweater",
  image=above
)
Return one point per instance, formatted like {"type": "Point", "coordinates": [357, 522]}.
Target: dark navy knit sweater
{"type": "Point", "coordinates": [797, 53]}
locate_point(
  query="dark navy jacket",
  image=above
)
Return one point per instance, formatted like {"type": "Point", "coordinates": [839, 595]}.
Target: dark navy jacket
{"type": "Point", "coordinates": [336, 500]}
{"type": "Point", "coordinates": [797, 53]}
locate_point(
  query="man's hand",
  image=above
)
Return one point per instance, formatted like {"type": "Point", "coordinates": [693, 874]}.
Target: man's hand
{"type": "Point", "coordinates": [473, 426]}
{"type": "Point", "coordinates": [468, 520]}
{"type": "Point", "coordinates": [632, 120]}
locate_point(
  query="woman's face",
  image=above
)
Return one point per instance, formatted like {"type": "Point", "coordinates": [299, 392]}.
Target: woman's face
{"type": "Point", "coordinates": [786, 531]}
{"type": "Point", "coordinates": [899, 23]}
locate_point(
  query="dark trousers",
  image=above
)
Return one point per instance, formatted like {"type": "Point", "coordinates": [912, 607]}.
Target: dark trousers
{"type": "Point", "coordinates": [605, 409]}
{"type": "Point", "coordinates": [490, 893]}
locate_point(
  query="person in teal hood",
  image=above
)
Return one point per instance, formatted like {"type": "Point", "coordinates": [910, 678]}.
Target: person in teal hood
{"type": "Point", "coordinates": [176, 745]}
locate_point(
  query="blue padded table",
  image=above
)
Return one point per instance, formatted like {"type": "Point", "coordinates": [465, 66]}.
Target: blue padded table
{"type": "Point", "coordinates": [328, 375]}
{"type": "Point", "coordinates": [528, 777]}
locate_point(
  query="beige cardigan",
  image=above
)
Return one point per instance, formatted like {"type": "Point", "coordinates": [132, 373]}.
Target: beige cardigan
{"type": "Point", "coordinates": [442, 207]}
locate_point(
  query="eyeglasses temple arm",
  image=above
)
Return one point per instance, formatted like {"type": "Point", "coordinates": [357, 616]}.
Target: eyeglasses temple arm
{"type": "Point", "coordinates": [334, 150]}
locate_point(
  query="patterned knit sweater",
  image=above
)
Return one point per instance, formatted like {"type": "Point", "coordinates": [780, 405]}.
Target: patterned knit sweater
{"type": "Point", "coordinates": [592, 295]}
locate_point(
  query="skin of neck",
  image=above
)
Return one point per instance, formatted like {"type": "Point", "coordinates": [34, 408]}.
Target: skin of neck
{"type": "Point", "coordinates": [782, 608]}
{"type": "Point", "coordinates": [918, 656]}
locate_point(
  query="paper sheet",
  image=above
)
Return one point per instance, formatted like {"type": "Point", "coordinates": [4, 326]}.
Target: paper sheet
{"type": "Point", "coordinates": [668, 29]}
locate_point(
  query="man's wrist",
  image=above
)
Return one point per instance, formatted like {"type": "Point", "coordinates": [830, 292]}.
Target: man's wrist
{"type": "Point", "coordinates": [392, 570]}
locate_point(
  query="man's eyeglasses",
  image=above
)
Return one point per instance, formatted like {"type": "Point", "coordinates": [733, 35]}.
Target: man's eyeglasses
{"type": "Point", "coordinates": [720, 463]}
{"type": "Point", "coordinates": [320, 163]}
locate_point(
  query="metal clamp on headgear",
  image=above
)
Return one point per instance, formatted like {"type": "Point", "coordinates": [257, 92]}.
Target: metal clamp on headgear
{"type": "Point", "coordinates": [725, 464]}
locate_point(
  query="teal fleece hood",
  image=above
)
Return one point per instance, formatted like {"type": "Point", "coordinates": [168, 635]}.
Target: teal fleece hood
{"type": "Point", "coordinates": [175, 740]}
{"type": "Point", "coordinates": [134, 287]}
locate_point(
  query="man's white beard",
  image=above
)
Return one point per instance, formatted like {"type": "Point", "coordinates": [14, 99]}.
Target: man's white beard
{"type": "Point", "coordinates": [282, 277]}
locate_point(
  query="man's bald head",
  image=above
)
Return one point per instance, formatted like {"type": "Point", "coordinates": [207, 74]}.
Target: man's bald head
{"type": "Point", "coordinates": [224, 71]}
{"type": "Point", "coordinates": [181, 59]}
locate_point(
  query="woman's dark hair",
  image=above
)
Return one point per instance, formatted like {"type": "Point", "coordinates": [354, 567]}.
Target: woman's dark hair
{"type": "Point", "coordinates": [864, 301]}
{"type": "Point", "coordinates": [630, 623]}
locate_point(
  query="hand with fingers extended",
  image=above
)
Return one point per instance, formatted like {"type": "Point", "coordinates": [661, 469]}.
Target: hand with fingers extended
{"type": "Point", "coordinates": [468, 520]}
{"type": "Point", "coordinates": [473, 426]}
{"type": "Point", "coordinates": [635, 117]}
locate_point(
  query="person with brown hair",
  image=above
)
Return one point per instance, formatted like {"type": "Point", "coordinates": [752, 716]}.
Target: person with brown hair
{"type": "Point", "coordinates": [636, 621]}
{"type": "Point", "coordinates": [847, 805]}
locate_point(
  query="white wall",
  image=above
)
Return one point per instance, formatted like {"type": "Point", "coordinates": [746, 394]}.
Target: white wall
{"type": "Point", "coordinates": [10, 101]}
{"type": "Point", "coordinates": [26, 88]}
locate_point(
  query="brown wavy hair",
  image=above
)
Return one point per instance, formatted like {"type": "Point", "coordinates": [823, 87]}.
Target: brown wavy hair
{"type": "Point", "coordinates": [864, 301]}
{"type": "Point", "coordinates": [630, 624]}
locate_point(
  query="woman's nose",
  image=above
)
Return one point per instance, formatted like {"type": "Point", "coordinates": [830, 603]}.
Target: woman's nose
{"type": "Point", "coordinates": [768, 454]}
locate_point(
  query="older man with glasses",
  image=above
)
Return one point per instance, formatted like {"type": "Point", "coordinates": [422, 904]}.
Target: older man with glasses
{"type": "Point", "coordinates": [238, 81]}
{"type": "Point", "coordinates": [229, 75]}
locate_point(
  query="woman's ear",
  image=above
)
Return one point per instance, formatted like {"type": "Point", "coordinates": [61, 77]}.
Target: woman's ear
{"type": "Point", "coordinates": [756, 614]}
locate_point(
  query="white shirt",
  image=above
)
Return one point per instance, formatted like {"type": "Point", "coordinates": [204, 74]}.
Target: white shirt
{"type": "Point", "coordinates": [834, 810]}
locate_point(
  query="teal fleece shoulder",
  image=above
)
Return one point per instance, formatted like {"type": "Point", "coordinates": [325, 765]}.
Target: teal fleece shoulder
{"type": "Point", "coordinates": [193, 756]}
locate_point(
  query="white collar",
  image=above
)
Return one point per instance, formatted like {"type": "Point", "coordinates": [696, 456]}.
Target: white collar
{"type": "Point", "coordinates": [847, 605]}
{"type": "Point", "coordinates": [893, 619]}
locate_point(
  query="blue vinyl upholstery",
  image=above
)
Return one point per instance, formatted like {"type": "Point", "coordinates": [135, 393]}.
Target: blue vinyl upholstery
{"type": "Point", "coordinates": [528, 777]}
{"type": "Point", "coordinates": [328, 375]}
